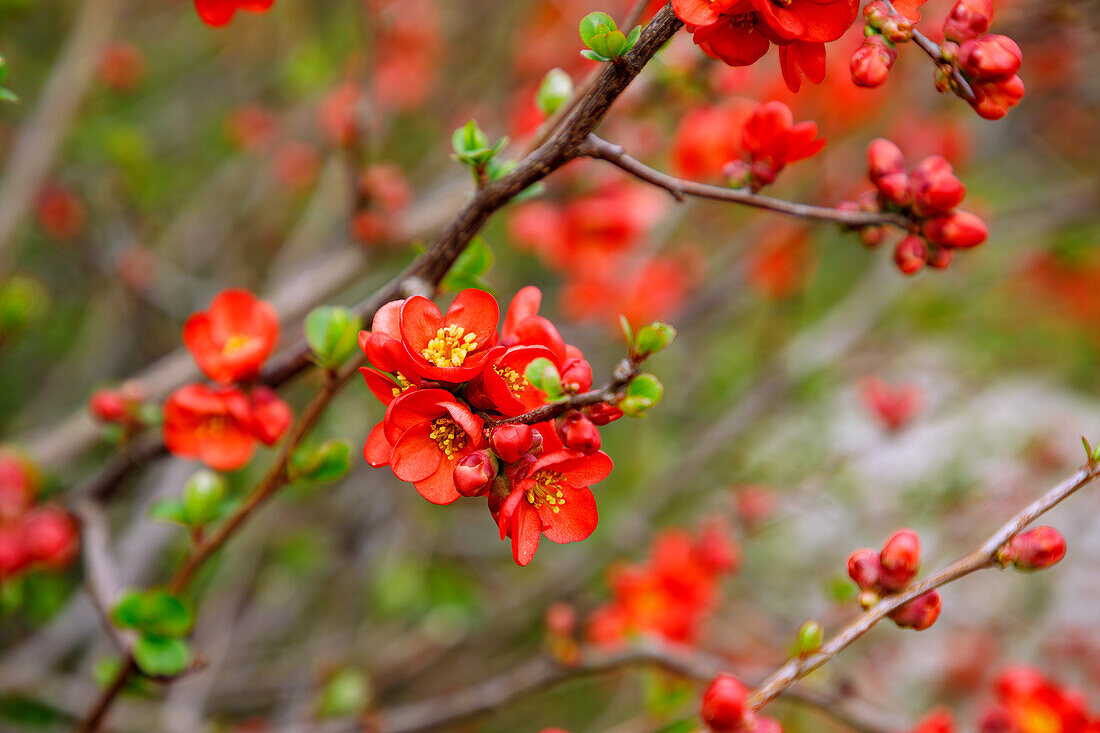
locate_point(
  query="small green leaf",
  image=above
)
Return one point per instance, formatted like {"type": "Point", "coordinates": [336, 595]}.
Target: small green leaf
{"type": "Point", "coordinates": [126, 613]}
{"type": "Point", "coordinates": [554, 91]}
{"type": "Point", "coordinates": [164, 614]}
{"type": "Point", "coordinates": [596, 23]}
{"type": "Point", "coordinates": [160, 656]}
{"type": "Point", "coordinates": [654, 337]}
{"type": "Point", "coordinates": [590, 54]}
{"type": "Point", "coordinates": [633, 37]}
{"type": "Point", "coordinates": [345, 694]}
{"type": "Point", "coordinates": [642, 394]}
{"type": "Point", "coordinates": [469, 267]}
{"type": "Point", "coordinates": [332, 333]}
{"type": "Point", "coordinates": [628, 333]}
{"type": "Point", "coordinates": [615, 41]}
{"type": "Point", "coordinates": [171, 511]}
{"type": "Point", "coordinates": [7, 95]}
{"type": "Point", "coordinates": [327, 462]}
{"type": "Point", "coordinates": [810, 637]}
{"type": "Point", "coordinates": [542, 374]}
{"type": "Point", "coordinates": [203, 495]}
{"type": "Point", "coordinates": [469, 139]}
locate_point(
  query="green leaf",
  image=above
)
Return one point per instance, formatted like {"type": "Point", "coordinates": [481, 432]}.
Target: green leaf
{"type": "Point", "coordinates": [327, 462]}
{"type": "Point", "coordinates": [126, 613]}
{"type": "Point", "coordinates": [810, 637]}
{"type": "Point", "coordinates": [596, 23]}
{"type": "Point", "coordinates": [164, 614]}
{"type": "Point", "coordinates": [654, 337]}
{"type": "Point", "coordinates": [615, 42]}
{"type": "Point", "coordinates": [642, 394]}
{"type": "Point", "coordinates": [624, 323]}
{"type": "Point", "coordinates": [345, 694]}
{"type": "Point", "coordinates": [160, 656]}
{"type": "Point", "coordinates": [468, 268]}
{"type": "Point", "coordinates": [633, 37]}
{"type": "Point", "coordinates": [7, 95]}
{"type": "Point", "coordinates": [203, 495]}
{"type": "Point", "coordinates": [332, 333]}
{"type": "Point", "coordinates": [469, 139]}
{"type": "Point", "coordinates": [542, 374]}
{"type": "Point", "coordinates": [554, 91]}
{"type": "Point", "coordinates": [171, 511]}
{"type": "Point", "coordinates": [590, 54]}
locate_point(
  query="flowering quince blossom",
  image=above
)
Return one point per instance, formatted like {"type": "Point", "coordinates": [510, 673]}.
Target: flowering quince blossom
{"type": "Point", "coordinates": [772, 140]}
{"type": "Point", "coordinates": [672, 594]}
{"type": "Point", "coordinates": [231, 340]}
{"type": "Point", "coordinates": [739, 32]}
{"type": "Point", "coordinates": [893, 405]}
{"type": "Point", "coordinates": [220, 12]}
{"type": "Point", "coordinates": [220, 425]}
{"type": "Point", "coordinates": [43, 536]}
{"type": "Point", "coordinates": [450, 383]}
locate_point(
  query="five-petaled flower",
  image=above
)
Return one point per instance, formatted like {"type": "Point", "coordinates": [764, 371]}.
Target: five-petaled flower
{"type": "Point", "coordinates": [220, 425]}
{"type": "Point", "coordinates": [451, 347]}
{"type": "Point", "coordinates": [231, 340]}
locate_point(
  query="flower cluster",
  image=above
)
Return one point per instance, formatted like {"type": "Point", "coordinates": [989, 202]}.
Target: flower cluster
{"type": "Point", "coordinates": [987, 62]}
{"type": "Point", "coordinates": [1026, 702]}
{"type": "Point", "coordinates": [739, 32]}
{"type": "Point", "coordinates": [122, 406]}
{"type": "Point", "coordinates": [220, 424]}
{"type": "Point", "coordinates": [220, 12]}
{"type": "Point", "coordinates": [726, 709]}
{"type": "Point", "coordinates": [672, 594]}
{"type": "Point", "coordinates": [31, 536]}
{"type": "Point", "coordinates": [927, 195]}
{"type": "Point", "coordinates": [451, 384]}
{"type": "Point", "coordinates": [891, 571]}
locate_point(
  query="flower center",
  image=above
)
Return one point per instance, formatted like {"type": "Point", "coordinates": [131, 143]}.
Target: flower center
{"type": "Point", "coordinates": [448, 436]}
{"type": "Point", "coordinates": [545, 491]}
{"type": "Point", "coordinates": [402, 384]}
{"type": "Point", "coordinates": [515, 381]}
{"type": "Point", "coordinates": [450, 346]}
{"type": "Point", "coordinates": [212, 427]}
{"type": "Point", "coordinates": [1039, 719]}
{"type": "Point", "coordinates": [235, 342]}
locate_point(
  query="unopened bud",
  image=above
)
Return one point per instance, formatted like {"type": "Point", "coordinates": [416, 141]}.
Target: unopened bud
{"type": "Point", "coordinates": [900, 560]}
{"type": "Point", "coordinates": [475, 472]}
{"type": "Point", "coordinates": [602, 413]}
{"type": "Point", "coordinates": [895, 188]}
{"type": "Point", "coordinates": [864, 568]}
{"type": "Point", "coordinates": [1036, 549]}
{"type": "Point", "coordinates": [968, 19]}
{"type": "Point", "coordinates": [919, 613]}
{"type": "Point", "coordinates": [726, 705]}
{"type": "Point", "coordinates": [576, 375]}
{"type": "Point", "coordinates": [911, 254]}
{"type": "Point", "coordinates": [936, 189]}
{"type": "Point", "coordinates": [990, 58]}
{"type": "Point", "coordinates": [940, 257]}
{"type": "Point", "coordinates": [510, 441]}
{"type": "Point", "coordinates": [993, 99]}
{"type": "Point", "coordinates": [959, 229]}
{"type": "Point", "coordinates": [884, 158]}
{"type": "Point", "coordinates": [810, 637]}
{"type": "Point", "coordinates": [577, 432]}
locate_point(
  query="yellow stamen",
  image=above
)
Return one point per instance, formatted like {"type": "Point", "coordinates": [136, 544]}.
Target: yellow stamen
{"type": "Point", "coordinates": [515, 381]}
{"type": "Point", "coordinates": [402, 384]}
{"type": "Point", "coordinates": [448, 436]}
{"type": "Point", "coordinates": [235, 342]}
{"type": "Point", "coordinates": [546, 491]}
{"type": "Point", "coordinates": [450, 347]}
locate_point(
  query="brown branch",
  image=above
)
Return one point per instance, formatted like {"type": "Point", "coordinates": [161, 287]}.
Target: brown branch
{"type": "Point", "coordinates": [596, 147]}
{"type": "Point", "coordinates": [621, 377]}
{"type": "Point", "coordinates": [959, 83]}
{"type": "Point", "coordinates": [982, 557]}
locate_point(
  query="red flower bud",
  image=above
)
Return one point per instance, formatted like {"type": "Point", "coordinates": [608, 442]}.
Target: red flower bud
{"type": "Point", "coordinates": [107, 406]}
{"type": "Point", "coordinates": [864, 568]}
{"type": "Point", "coordinates": [895, 188]}
{"type": "Point", "coordinates": [919, 613]}
{"type": "Point", "coordinates": [871, 62]}
{"type": "Point", "coordinates": [561, 619]}
{"type": "Point", "coordinates": [872, 236]}
{"type": "Point", "coordinates": [475, 472]}
{"type": "Point", "coordinates": [602, 413]}
{"type": "Point", "coordinates": [993, 99]}
{"type": "Point", "coordinates": [50, 536]}
{"type": "Point", "coordinates": [577, 432]}
{"type": "Point", "coordinates": [941, 257]}
{"type": "Point", "coordinates": [957, 229]}
{"type": "Point", "coordinates": [936, 189]}
{"type": "Point", "coordinates": [726, 705]}
{"type": "Point", "coordinates": [968, 19]}
{"type": "Point", "coordinates": [900, 560]}
{"type": "Point", "coordinates": [990, 58]}
{"type": "Point", "coordinates": [13, 554]}
{"type": "Point", "coordinates": [510, 441]}
{"type": "Point", "coordinates": [1035, 549]}
{"type": "Point", "coordinates": [910, 254]}
{"type": "Point", "coordinates": [884, 158]}
{"type": "Point", "coordinates": [576, 375]}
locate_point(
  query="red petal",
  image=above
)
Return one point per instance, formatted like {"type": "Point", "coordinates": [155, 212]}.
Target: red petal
{"type": "Point", "coordinates": [377, 449]}
{"type": "Point", "coordinates": [439, 488]}
{"type": "Point", "coordinates": [270, 416]}
{"type": "Point", "coordinates": [575, 520]}
{"type": "Point", "coordinates": [524, 305]}
{"type": "Point", "coordinates": [416, 456]}
{"type": "Point", "coordinates": [526, 531]}
{"type": "Point", "coordinates": [380, 384]}
{"type": "Point", "coordinates": [420, 322]}
{"type": "Point", "coordinates": [477, 312]}
{"type": "Point", "coordinates": [577, 469]}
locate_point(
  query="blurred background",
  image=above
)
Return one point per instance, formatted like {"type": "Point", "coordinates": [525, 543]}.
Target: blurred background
{"type": "Point", "coordinates": [152, 161]}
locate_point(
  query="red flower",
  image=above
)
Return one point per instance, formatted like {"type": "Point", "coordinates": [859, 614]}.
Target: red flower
{"type": "Point", "coordinates": [705, 140]}
{"type": "Point", "coordinates": [1030, 703]}
{"type": "Point", "coordinates": [231, 340]}
{"type": "Point", "coordinates": [220, 12]}
{"type": "Point", "coordinates": [429, 432]}
{"type": "Point", "coordinates": [220, 425]}
{"type": "Point", "coordinates": [50, 537]}
{"type": "Point", "coordinates": [553, 500]}
{"type": "Point", "coordinates": [523, 324]}
{"type": "Point", "coordinates": [18, 485]}
{"type": "Point", "coordinates": [938, 721]}
{"type": "Point", "coordinates": [894, 406]}
{"type": "Point", "coordinates": [773, 140]}
{"type": "Point", "coordinates": [454, 347]}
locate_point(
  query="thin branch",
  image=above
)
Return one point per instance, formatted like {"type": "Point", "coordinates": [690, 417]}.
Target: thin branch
{"type": "Point", "coordinates": [621, 377]}
{"type": "Point", "coordinates": [596, 147]}
{"type": "Point", "coordinates": [983, 557]}
{"type": "Point", "coordinates": [959, 83]}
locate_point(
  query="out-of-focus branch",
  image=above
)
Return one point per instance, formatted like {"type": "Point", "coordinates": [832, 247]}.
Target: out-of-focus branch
{"type": "Point", "coordinates": [596, 147]}
{"type": "Point", "coordinates": [982, 557]}
{"type": "Point", "coordinates": [46, 127]}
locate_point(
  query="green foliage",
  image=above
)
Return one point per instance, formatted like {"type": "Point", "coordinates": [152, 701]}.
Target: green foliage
{"type": "Point", "coordinates": [6, 95]}
{"type": "Point", "coordinates": [542, 374]}
{"type": "Point", "coordinates": [470, 267]}
{"type": "Point", "coordinates": [161, 619]}
{"type": "Point", "coordinates": [201, 502]}
{"type": "Point", "coordinates": [654, 338]}
{"type": "Point", "coordinates": [346, 693]}
{"type": "Point", "coordinates": [472, 148]}
{"type": "Point", "coordinates": [604, 40]}
{"type": "Point", "coordinates": [161, 656]}
{"type": "Point", "coordinates": [555, 90]}
{"type": "Point", "coordinates": [332, 333]}
{"type": "Point", "coordinates": [23, 300]}
{"type": "Point", "coordinates": [643, 393]}
{"type": "Point", "coordinates": [326, 462]}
